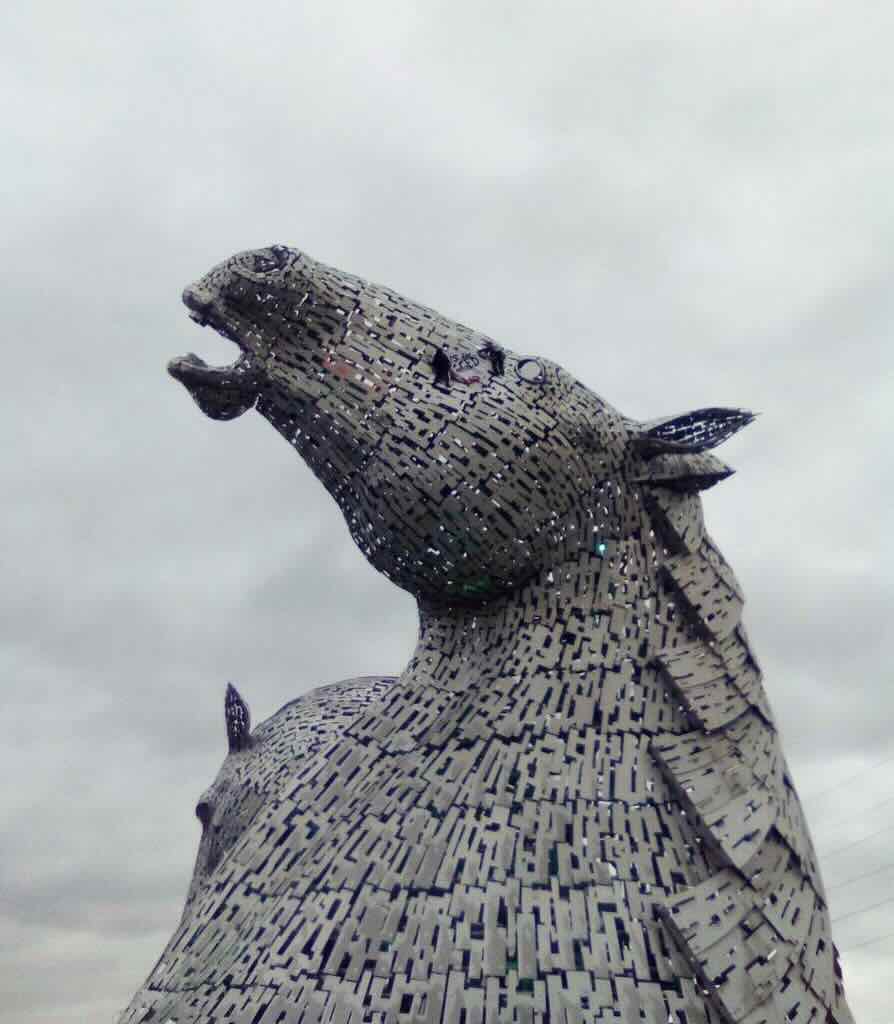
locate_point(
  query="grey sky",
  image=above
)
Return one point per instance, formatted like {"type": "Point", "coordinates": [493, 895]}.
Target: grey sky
{"type": "Point", "coordinates": [685, 204]}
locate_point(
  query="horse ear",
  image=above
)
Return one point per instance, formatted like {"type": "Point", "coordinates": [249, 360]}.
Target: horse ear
{"type": "Point", "coordinates": [674, 450]}
{"type": "Point", "coordinates": [691, 433]}
{"type": "Point", "coordinates": [685, 473]}
{"type": "Point", "coordinates": [238, 719]}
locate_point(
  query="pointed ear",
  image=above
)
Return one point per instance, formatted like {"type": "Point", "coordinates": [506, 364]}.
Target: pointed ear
{"type": "Point", "coordinates": [691, 433]}
{"type": "Point", "coordinates": [683, 473]}
{"type": "Point", "coordinates": [238, 719]}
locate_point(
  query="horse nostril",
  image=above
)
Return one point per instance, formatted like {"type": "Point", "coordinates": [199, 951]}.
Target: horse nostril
{"type": "Point", "coordinates": [203, 813]}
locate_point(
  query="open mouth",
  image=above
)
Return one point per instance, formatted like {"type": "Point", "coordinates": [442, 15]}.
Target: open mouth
{"type": "Point", "coordinates": [221, 392]}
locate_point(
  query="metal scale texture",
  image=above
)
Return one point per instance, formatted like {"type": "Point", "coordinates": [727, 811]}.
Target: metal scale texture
{"type": "Point", "coordinates": [572, 805]}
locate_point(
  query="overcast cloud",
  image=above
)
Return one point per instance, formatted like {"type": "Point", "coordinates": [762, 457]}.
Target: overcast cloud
{"type": "Point", "coordinates": [686, 204]}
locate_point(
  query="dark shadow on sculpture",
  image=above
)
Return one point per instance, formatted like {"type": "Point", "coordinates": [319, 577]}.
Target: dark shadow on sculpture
{"type": "Point", "coordinates": [572, 805]}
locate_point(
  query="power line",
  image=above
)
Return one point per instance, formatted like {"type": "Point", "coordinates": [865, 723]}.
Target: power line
{"type": "Point", "coordinates": [848, 846]}
{"type": "Point", "coordinates": [859, 878]}
{"type": "Point", "coordinates": [862, 910]}
{"type": "Point", "coordinates": [850, 778]}
{"type": "Point", "coordinates": [859, 814]}
{"type": "Point", "coordinates": [867, 942]}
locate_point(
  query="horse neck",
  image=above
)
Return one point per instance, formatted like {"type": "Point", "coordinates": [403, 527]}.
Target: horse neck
{"type": "Point", "coordinates": [597, 613]}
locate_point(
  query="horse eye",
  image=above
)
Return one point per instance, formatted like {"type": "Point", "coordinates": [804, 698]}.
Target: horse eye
{"type": "Point", "coordinates": [281, 254]}
{"type": "Point", "coordinates": [278, 258]}
{"type": "Point", "coordinates": [203, 813]}
{"type": "Point", "coordinates": [441, 365]}
{"type": "Point", "coordinates": [530, 371]}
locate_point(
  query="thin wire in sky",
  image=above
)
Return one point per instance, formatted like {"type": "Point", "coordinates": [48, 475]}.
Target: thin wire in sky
{"type": "Point", "coordinates": [850, 778]}
{"type": "Point", "coordinates": [835, 822]}
{"type": "Point", "coordinates": [856, 842]}
{"type": "Point", "coordinates": [868, 942]}
{"type": "Point", "coordinates": [859, 878]}
{"type": "Point", "coordinates": [862, 910]}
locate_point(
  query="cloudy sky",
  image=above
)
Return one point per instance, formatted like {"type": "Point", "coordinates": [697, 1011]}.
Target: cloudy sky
{"type": "Point", "coordinates": [686, 204]}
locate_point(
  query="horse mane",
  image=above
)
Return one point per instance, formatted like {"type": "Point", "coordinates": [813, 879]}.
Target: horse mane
{"type": "Point", "coordinates": [728, 772]}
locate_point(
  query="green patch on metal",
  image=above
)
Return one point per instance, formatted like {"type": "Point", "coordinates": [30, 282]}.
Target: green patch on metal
{"type": "Point", "coordinates": [480, 585]}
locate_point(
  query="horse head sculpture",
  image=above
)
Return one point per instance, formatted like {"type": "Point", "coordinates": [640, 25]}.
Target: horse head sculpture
{"type": "Point", "coordinates": [455, 462]}
{"type": "Point", "coordinates": [572, 805]}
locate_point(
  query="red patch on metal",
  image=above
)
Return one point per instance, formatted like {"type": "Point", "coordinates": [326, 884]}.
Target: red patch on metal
{"type": "Point", "coordinates": [348, 371]}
